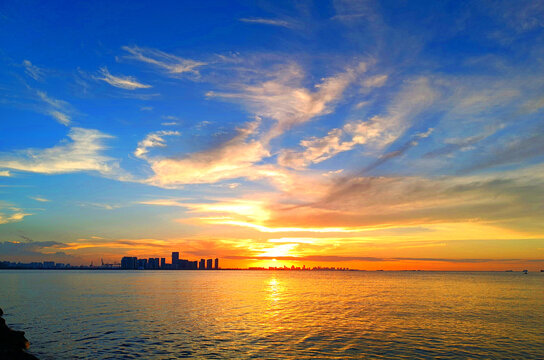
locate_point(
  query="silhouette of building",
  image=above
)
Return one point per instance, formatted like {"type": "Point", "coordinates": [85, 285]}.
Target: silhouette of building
{"type": "Point", "coordinates": [209, 264]}
{"type": "Point", "coordinates": [175, 259]}
{"type": "Point", "coordinates": [202, 264]}
{"type": "Point", "coordinates": [129, 263]}
{"type": "Point", "coordinates": [142, 264]}
{"type": "Point", "coordinates": [153, 263]}
{"type": "Point", "coordinates": [163, 263]}
{"type": "Point", "coordinates": [216, 267]}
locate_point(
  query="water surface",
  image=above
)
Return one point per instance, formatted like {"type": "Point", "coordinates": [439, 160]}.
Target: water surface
{"type": "Point", "coordinates": [276, 314]}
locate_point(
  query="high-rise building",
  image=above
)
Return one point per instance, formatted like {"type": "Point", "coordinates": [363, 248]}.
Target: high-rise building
{"type": "Point", "coordinates": [209, 264]}
{"type": "Point", "coordinates": [142, 264]}
{"type": "Point", "coordinates": [129, 263]}
{"type": "Point", "coordinates": [175, 259]}
{"type": "Point", "coordinates": [202, 264]}
{"type": "Point", "coordinates": [48, 264]}
{"type": "Point", "coordinates": [163, 263]}
{"type": "Point", "coordinates": [216, 267]}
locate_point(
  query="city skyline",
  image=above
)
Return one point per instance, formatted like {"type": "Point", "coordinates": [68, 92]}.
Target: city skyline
{"type": "Point", "coordinates": [329, 133]}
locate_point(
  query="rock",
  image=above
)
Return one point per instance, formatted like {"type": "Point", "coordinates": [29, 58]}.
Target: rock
{"type": "Point", "coordinates": [13, 343]}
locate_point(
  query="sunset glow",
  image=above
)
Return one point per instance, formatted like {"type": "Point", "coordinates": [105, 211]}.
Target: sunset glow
{"type": "Point", "coordinates": [343, 134]}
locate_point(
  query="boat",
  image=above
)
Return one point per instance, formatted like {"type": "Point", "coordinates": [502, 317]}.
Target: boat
{"type": "Point", "coordinates": [525, 272]}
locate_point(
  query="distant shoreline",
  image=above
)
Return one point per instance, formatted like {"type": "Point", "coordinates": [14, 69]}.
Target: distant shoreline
{"type": "Point", "coordinates": [283, 270]}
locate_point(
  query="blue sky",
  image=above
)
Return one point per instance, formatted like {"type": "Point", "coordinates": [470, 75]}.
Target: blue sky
{"type": "Point", "coordinates": [333, 132]}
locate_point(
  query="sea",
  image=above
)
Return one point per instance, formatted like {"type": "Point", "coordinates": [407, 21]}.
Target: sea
{"type": "Point", "coordinates": [276, 314]}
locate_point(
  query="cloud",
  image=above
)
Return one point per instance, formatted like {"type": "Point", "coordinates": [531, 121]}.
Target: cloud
{"type": "Point", "coordinates": [375, 81]}
{"type": "Point", "coordinates": [101, 205]}
{"type": "Point", "coordinates": [34, 251]}
{"type": "Point", "coordinates": [510, 150]}
{"type": "Point", "coordinates": [414, 141]}
{"type": "Point", "coordinates": [82, 152]}
{"type": "Point", "coordinates": [39, 198]}
{"type": "Point", "coordinates": [376, 132]}
{"type": "Point", "coordinates": [173, 65]}
{"type": "Point", "coordinates": [171, 123]}
{"type": "Point", "coordinates": [60, 117]}
{"type": "Point", "coordinates": [9, 214]}
{"type": "Point", "coordinates": [316, 150]}
{"type": "Point", "coordinates": [32, 70]}
{"type": "Point", "coordinates": [154, 139]}
{"type": "Point", "coordinates": [5, 173]}
{"type": "Point", "coordinates": [283, 99]}
{"type": "Point", "coordinates": [163, 202]}
{"type": "Point", "coordinates": [273, 22]}
{"type": "Point", "coordinates": [231, 159]}
{"type": "Point", "coordinates": [58, 109]}
{"type": "Point", "coordinates": [510, 199]}
{"type": "Point", "coordinates": [123, 82]}
{"type": "Point", "coordinates": [482, 206]}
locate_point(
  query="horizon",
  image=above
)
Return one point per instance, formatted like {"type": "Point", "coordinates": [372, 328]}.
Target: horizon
{"type": "Point", "coordinates": [338, 134]}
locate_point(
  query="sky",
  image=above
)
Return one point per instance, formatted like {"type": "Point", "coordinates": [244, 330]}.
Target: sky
{"type": "Point", "coordinates": [364, 134]}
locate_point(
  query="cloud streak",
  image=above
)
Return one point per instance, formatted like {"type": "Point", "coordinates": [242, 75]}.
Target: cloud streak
{"type": "Point", "coordinates": [58, 109]}
{"type": "Point", "coordinates": [273, 22]}
{"type": "Point", "coordinates": [376, 132]}
{"type": "Point", "coordinates": [154, 139]}
{"type": "Point", "coordinates": [32, 70]}
{"type": "Point", "coordinates": [173, 65]}
{"type": "Point", "coordinates": [122, 82]}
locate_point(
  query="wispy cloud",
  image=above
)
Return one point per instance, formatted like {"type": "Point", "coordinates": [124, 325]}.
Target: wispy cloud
{"type": "Point", "coordinates": [123, 82]}
{"type": "Point", "coordinates": [174, 65]}
{"type": "Point", "coordinates": [58, 109]}
{"type": "Point", "coordinates": [83, 152]}
{"type": "Point", "coordinates": [376, 132]}
{"type": "Point", "coordinates": [39, 198]}
{"type": "Point", "coordinates": [510, 150]}
{"type": "Point", "coordinates": [32, 70]}
{"type": "Point", "coordinates": [284, 100]}
{"type": "Point", "coordinates": [5, 173]}
{"type": "Point", "coordinates": [273, 22]}
{"type": "Point", "coordinates": [154, 139]}
{"type": "Point", "coordinates": [231, 159]}
{"type": "Point", "coordinates": [60, 117]}
{"type": "Point", "coordinates": [9, 214]}
{"type": "Point", "coordinates": [100, 205]}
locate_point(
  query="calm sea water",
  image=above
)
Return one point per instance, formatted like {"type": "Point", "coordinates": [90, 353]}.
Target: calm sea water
{"type": "Point", "coordinates": [268, 315]}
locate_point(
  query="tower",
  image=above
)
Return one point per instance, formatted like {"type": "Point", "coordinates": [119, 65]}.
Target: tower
{"type": "Point", "coordinates": [175, 259]}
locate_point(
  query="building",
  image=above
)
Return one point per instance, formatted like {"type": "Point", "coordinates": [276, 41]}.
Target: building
{"type": "Point", "coordinates": [142, 264]}
{"type": "Point", "coordinates": [153, 263]}
{"type": "Point", "coordinates": [133, 263]}
{"type": "Point", "coordinates": [129, 263]}
{"type": "Point", "coordinates": [175, 259]}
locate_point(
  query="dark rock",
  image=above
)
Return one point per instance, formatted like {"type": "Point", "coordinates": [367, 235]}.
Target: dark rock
{"type": "Point", "coordinates": [13, 343]}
